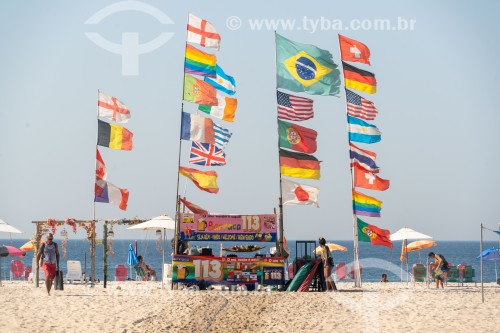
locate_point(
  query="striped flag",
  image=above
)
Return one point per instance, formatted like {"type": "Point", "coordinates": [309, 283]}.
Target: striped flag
{"type": "Point", "coordinates": [359, 107]}
{"type": "Point", "coordinates": [222, 136]}
{"type": "Point", "coordinates": [294, 108]}
{"type": "Point", "coordinates": [364, 158]}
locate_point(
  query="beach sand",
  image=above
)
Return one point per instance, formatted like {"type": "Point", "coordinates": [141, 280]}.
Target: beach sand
{"type": "Point", "coordinates": [145, 307]}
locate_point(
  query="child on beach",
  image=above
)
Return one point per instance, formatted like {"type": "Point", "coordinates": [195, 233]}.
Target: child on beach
{"type": "Point", "coordinates": [384, 278]}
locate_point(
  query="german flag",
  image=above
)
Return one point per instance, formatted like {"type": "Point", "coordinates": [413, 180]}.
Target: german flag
{"type": "Point", "coordinates": [299, 165]}
{"type": "Point", "coordinates": [114, 136]}
{"type": "Point", "coordinates": [359, 79]}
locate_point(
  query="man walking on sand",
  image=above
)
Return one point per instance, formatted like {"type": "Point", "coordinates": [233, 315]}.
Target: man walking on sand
{"type": "Point", "coordinates": [441, 268]}
{"type": "Point", "coordinates": [50, 260]}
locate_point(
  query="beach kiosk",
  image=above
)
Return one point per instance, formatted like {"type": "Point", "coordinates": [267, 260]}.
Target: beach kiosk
{"type": "Point", "coordinates": [204, 268]}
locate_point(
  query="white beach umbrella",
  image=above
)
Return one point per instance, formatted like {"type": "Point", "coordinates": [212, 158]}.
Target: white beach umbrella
{"type": "Point", "coordinates": [156, 223]}
{"type": "Point", "coordinates": [407, 233]}
{"type": "Point", "coordinates": [164, 222]}
{"type": "Point", "coordinates": [4, 227]}
{"type": "Point", "coordinates": [404, 234]}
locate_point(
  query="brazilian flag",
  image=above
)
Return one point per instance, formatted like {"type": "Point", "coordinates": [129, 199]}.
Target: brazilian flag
{"type": "Point", "coordinates": [303, 67]}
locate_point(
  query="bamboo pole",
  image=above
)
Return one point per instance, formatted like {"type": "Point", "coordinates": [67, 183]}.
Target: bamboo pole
{"type": "Point", "coordinates": [105, 254]}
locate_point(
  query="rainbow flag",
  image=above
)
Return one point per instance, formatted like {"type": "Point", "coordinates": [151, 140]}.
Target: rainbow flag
{"type": "Point", "coordinates": [365, 205]}
{"type": "Point", "coordinates": [199, 63]}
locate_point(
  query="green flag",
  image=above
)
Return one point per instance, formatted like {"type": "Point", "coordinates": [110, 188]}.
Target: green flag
{"type": "Point", "coordinates": [303, 67]}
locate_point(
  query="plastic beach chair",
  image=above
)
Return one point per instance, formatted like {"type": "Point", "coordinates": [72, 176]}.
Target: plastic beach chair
{"type": "Point", "coordinates": [16, 269]}
{"type": "Point", "coordinates": [341, 272]}
{"type": "Point", "coordinates": [418, 272]}
{"type": "Point", "coordinates": [27, 272]}
{"type": "Point", "coordinates": [120, 273]}
{"type": "Point", "coordinates": [452, 275]}
{"type": "Point", "coordinates": [351, 272]}
{"type": "Point", "coordinates": [41, 274]}
{"type": "Point", "coordinates": [74, 271]}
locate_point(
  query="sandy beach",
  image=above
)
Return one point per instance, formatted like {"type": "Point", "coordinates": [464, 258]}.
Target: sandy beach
{"type": "Point", "coordinates": [144, 307]}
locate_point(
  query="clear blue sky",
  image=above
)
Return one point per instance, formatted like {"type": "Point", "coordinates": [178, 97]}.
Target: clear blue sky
{"type": "Point", "coordinates": [436, 96]}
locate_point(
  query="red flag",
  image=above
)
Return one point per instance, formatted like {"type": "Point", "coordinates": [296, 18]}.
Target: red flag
{"type": "Point", "coordinates": [366, 179]}
{"type": "Point", "coordinates": [194, 208]}
{"type": "Point", "coordinates": [100, 167]}
{"type": "Point", "coordinates": [352, 50]}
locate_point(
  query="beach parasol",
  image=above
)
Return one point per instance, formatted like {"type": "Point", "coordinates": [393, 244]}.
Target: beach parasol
{"type": "Point", "coordinates": [491, 254]}
{"type": "Point", "coordinates": [131, 258]}
{"type": "Point", "coordinates": [332, 247]}
{"type": "Point", "coordinates": [156, 223]}
{"type": "Point", "coordinates": [4, 227]}
{"type": "Point", "coordinates": [28, 246]}
{"type": "Point", "coordinates": [419, 245]}
{"type": "Point", "coordinates": [164, 222]}
{"type": "Point", "coordinates": [407, 233]}
{"type": "Point", "coordinates": [404, 234]}
{"type": "Point", "coordinates": [9, 251]}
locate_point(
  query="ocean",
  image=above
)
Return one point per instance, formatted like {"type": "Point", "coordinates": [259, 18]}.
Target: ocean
{"type": "Point", "coordinates": [375, 260]}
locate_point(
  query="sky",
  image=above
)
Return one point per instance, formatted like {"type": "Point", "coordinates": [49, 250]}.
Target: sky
{"type": "Point", "coordinates": [437, 112]}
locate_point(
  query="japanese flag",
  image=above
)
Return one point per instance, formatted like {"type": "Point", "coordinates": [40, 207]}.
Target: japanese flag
{"type": "Point", "coordinates": [299, 194]}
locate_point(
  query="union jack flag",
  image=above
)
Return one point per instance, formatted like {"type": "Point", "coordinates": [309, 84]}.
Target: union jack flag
{"type": "Point", "coordinates": [206, 154]}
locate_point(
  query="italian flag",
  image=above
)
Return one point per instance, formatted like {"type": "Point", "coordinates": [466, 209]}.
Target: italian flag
{"type": "Point", "coordinates": [376, 236]}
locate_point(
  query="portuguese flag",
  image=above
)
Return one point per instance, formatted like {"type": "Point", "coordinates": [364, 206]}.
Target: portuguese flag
{"type": "Point", "coordinates": [359, 79]}
{"type": "Point", "coordinates": [296, 137]}
{"type": "Point", "coordinates": [114, 136]}
{"type": "Point", "coordinates": [298, 165]}
{"type": "Point", "coordinates": [370, 233]}
{"type": "Point", "coordinates": [199, 92]}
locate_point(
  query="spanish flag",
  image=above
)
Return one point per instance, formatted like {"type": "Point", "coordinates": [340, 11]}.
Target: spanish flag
{"type": "Point", "coordinates": [114, 136]}
{"type": "Point", "coordinates": [359, 79]}
{"type": "Point", "coordinates": [299, 165]}
{"type": "Point", "coordinates": [204, 180]}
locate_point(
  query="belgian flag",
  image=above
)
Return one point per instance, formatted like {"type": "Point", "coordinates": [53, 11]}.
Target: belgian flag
{"type": "Point", "coordinates": [359, 79]}
{"type": "Point", "coordinates": [299, 165]}
{"type": "Point", "coordinates": [114, 136]}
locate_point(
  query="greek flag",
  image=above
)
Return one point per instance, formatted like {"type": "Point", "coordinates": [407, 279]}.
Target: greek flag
{"type": "Point", "coordinates": [222, 136]}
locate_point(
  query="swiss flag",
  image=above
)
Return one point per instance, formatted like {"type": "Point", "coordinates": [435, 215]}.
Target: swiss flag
{"type": "Point", "coordinates": [352, 50]}
{"type": "Point", "coordinates": [366, 179]}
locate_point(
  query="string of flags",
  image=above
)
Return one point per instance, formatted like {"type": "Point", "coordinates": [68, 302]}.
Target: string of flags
{"type": "Point", "coordinates": [112, 136]}
{"type": "Point", "coordinates": [206, 84]}
{"type": "Point", "coordinates": [300, 68]}
{"type": "Point", "coordinates": [364, 170]}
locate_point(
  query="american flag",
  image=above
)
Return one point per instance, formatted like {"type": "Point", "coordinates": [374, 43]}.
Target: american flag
{"type": "Point", "coordinates": [206, 154]}
{"type": "Point", "coordinates": [359, 107]}
{"type": "Point", "coordinates": [294, 108]}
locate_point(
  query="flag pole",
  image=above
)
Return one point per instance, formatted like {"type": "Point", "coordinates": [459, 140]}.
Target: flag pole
{"type": "Point", "coordinates": [177, 201]}
{"type": "Point", "coordinates": [481, 261]}
{"type": "Point", "coordinates": [357, 277]}
{"type": "Point", "coordinates": [96, 141]}
{"type": "Point", "coordinates": [280, 248]}
{"type": "Point", "coordinates": [92, 226]}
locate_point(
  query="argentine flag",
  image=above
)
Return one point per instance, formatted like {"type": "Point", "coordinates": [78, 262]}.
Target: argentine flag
{"type": "Point", "coordinates": [361, 131]}
{"type": "Point", "coordinates": [222, 82]}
